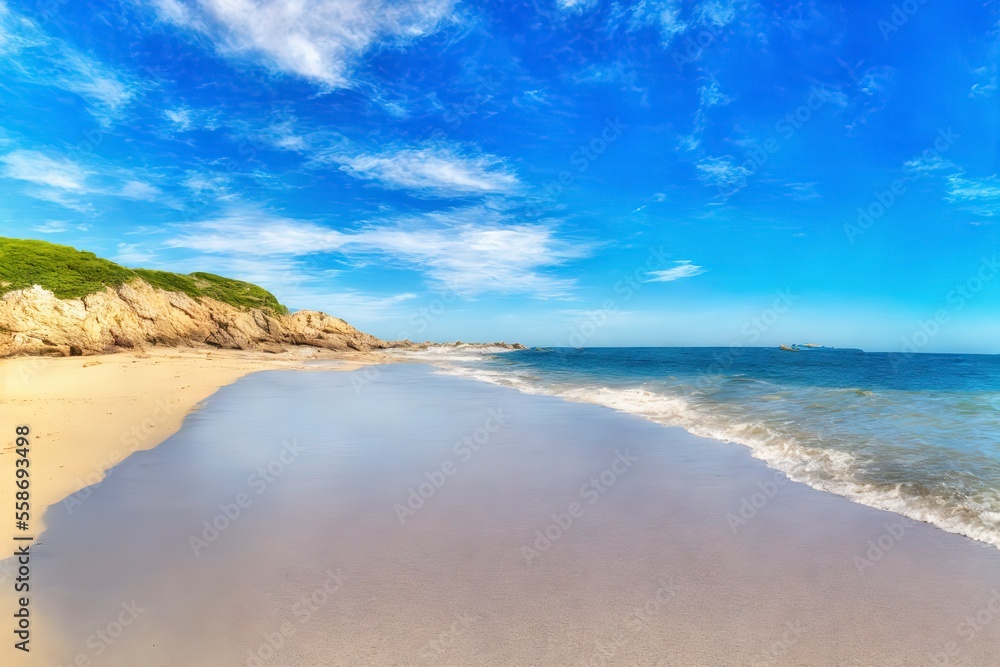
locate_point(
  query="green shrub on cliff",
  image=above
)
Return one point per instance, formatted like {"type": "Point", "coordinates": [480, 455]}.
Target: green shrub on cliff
{"type": "Point", "coordinates": [70, 274]}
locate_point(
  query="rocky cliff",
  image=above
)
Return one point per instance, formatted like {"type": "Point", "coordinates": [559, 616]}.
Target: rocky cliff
{"type": "Point", "coordinates": [135, 314]}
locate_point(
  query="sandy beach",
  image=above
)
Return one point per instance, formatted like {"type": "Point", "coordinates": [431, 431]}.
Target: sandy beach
{"type": "Point", "coordinates": [87, 414]}
{"type": "Point", "coordinates": [291, 523]}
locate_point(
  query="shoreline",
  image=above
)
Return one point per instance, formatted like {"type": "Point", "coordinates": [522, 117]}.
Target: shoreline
{"type": "Point", "coordinates": [643, 564]}
{"type": "Point", "coordinates": [791, 455]}
{"type": "Point", "coordinates": [89, 413]}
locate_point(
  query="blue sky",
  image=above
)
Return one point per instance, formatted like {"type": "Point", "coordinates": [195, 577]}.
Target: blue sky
{"type": "Point", "coordinates": [558, 172]}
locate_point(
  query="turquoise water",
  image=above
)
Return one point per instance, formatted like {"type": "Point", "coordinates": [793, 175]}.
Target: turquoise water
{"type": "Point", "coordinates": [916, 434]}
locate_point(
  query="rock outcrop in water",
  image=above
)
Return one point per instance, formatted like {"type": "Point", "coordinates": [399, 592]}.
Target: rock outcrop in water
{"type": "Point", "coordinates": [135, 314]}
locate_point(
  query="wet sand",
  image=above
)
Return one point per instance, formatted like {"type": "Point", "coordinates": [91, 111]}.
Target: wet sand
{"type": "Point", "coordinates": [87, 414]}
{"type": "Point", "coordinates": [401, 517]}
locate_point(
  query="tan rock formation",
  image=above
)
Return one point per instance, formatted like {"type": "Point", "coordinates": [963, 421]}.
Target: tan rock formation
{"type": "Point", "coordinates": [33, 322]}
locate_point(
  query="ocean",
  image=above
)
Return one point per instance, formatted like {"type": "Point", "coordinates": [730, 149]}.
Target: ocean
{"type": "Point", "coordinates": [916, 434]}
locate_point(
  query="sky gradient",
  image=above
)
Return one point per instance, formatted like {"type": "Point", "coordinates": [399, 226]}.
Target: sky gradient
{"type": "Point", "coordinates": [556, 172]}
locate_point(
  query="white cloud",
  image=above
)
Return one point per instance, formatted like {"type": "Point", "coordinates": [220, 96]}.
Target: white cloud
{"type": "Point", "coordinates": [58, 227]}
{"type": "Point", "coordinates": [356, 307]}
{"type": "Point", "coordinates": [803, 191]}
{"type": "Point", "coordinates": [930, 162]}
{"type": "Point", "coordinates": [320, 40]}
{"type": "Point", "coordinates": [284, 136]}
{"type": "Point", "coordinates": [40, 169]}
{"type": "Point", "coordinates": [185, 119]}
{"type": "Point", "coordinates": [434, 170]}
{"type": "Point", "coordinates": [209, 184]}
{"type": "Point", "coordinates": [67, 183]}
{"type": "Point", "coordinates": [965, 189]}
{"type": "Point", "coordinates": [133, 254]}
{"type": "Point", "coordinates": [139, 190]}
{"type": "Point", "coordinates": [470, 250]}
{"type": "Point", "coordinates": [663, 15]}
{"type": "Point", "coordinates": [717, 12]}
{"type": "Point", "coordinates": [179, 117]}
{"type": "Point", "coordinates": [684, 269]}
{"type": "Point", "coordinates": [37, 58]}
{"type": "Point", "coordinates": [722, 172]}
{"type": "Point", "coordinates": [575, 5]}
{"type": "Point", "coordinates": [711, 95]}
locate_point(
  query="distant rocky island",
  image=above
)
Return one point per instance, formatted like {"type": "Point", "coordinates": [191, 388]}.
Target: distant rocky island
{"type": "Point", "coordinates": [56, 300]}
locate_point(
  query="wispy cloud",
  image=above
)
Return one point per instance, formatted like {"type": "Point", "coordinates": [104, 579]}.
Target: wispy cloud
{"type": "Point", "coordinates": [802, 191]}
{"type": "Point", "coordinates": [471, 250]}
{"type": "Point", "coordinates": [133, 254]}
{"type": "Point", "coordinates": [320, 40]}
{"type": "Point", "coordinates": [874, 89]}
{"type": "Point", "coordinates": [30, 55]}
{"type": "Point", "coordinates": [209, 185]}
{"type": "Point", "coordinates": [684, 269]}
{"type": "Point", "coordinates": [718, 12]}
{"type": "Point", "coordinates": [437, 170]}
{"type": "Point", "coordinates": [360, 308]}
{"type": "Point", "coordinates": [722, 172]}
{"type": "Point", "coordinates": [65, 182]}
{"type": "Point", "coordinates": [432, 168]}
{"type": "Point", "coordinates": [661, 15]}
{"type": "Point", "coordinates": [59, 227]}
{"type": "Point", "coordinates": [139, 191]}
{"type": "Point", "coordinates": [711, 94]}
{"type": "Point", "coordinates": [929, 163]}
{"type": "Point", "coordinates": [186, 118]}
{"type": "Point", "coordinates": [575, 5]}
{"type": "Point", "coordinates": [665, 16]}
{"type": "Point", "coordinates": [40, 169]}
{"type": "Point", "coordinates": [961, 188]}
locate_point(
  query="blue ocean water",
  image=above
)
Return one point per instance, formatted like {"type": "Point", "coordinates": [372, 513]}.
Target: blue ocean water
{"type": "Point", "coordinates": [917, 434]}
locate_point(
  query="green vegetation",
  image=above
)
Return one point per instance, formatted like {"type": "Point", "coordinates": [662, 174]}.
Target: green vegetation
{"type": "Point", "coordinates": [234, 292]}
{"type": "Point", "coordinates": [66, 271]}
{"type": "Point", "coordinates": [71, 274]}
